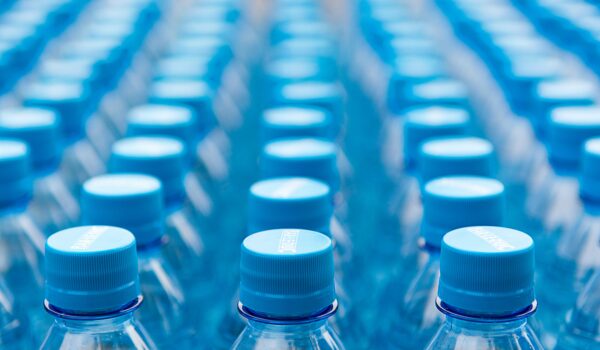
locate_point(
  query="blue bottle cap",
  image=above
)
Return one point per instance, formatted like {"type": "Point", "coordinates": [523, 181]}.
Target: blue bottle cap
{"type": "Point", "coordinates": [302, 29]}
{"type": "Point", "coordinates": [209, 46]}
{"type": "Point", "coordinates": [455, 156]}
{"type": "Point", "coordinates": [291, 70]}
{"type": "Point", "coordinates": [322, 48]}
{"type": "Point", "coordinates": [328, 96]}
{"type": "Point", "coordinates": [422, 124]}
{"type": "Point", "coordinates": [39, 129]}
{"type": "Point", "coordinates": [163, 120]}
{"type": "Point", "coordinates": [289, 202]}
{"type": "Point", "coordinates": [304, 157]}
{"type": "Point", "coordinates": [76, 69]}
{"type": "Point", "coordinates": [589, 180]}
{"type": "Point", "coordinates": [194, 94]}
{"type": "Point", "coordinates": [569, 128]}
{"type": "Point", "coordinates": [187, 68]}
{"type": "Point", "coordinates": [487, 271]}
{"type": "Point", "coordinates": [193, 28]}
{"type": "Point", "coordinates": [459, 201]}
{"type": "Point", "coordinates": [131, 201]}
{"type": "Point", "coordinates": [443, 92]}
{"type": "Point", "coordinates": [15, 174]}
{"type": "Point", "coordinates": [70, 100]}
{"type": "Point", "coordinates": [161, 157]}
{"type": "Point", "coordinates": [555, 93]}
{"type": "Point", "coordinates": [108, 53]}
{"type": "Point", "coordinates": [91, 270]}
{"type": "Point", "coordinates": [401, 46]}
{"type": "Point", "coordinates": [290, 122]}
{"type": "Point", "coordinates": [287, 273]}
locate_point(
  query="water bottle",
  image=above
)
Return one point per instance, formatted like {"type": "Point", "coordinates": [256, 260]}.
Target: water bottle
{"type": "Point", "coordinates": [188, 253]}
{"type": "Point", "coordinates": [287, 291]}
{"type": "Point", "coordinates": [581, 330]}
{"type": "Point", "coordinates": [93, 290]}
{"type": "Point", "coordinates": [575, 254]}
{"type": "Point", "coordinates": [21, 241]}
{"type": "Point", "coordinates": [134, 202]}
{"type": "Point", "coordinates": [53, 206]}
{"type": "Point", "coordinates": [178, 122]}
{"type": "Point", "coordinates": [486, 290]}
{"type": "Point", "coordinates": [407, 318]}
{"type": "Point", "coordinates": [15, 328]}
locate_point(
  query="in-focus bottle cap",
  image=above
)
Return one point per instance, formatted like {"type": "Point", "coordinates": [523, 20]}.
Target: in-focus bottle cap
{"type": "Point", "coordinates": [70, 100]}
{"type": "Point", "coordinates": [15, 174]}
{"type": "Point", "coordinates": [459, 201]}
{"type": "Point", "coordinates": [161, 157]}
{"type": "Point", "coordinates": [422, 124]}
{"type": "Point", "coordinates": [163, 120]}
{"type": "Point", "coordinates": [304, 157]}
{"type": "Point", "coordinates": [455, 156]}
{"type": "Point", "coordinates": [131, 201]}
{"type": "Point", "coordinates": [289, 122]}
{"type": "Point", "coordinates": [569, 128]}
{"type": "Point", "coordinates": [487, 271]}
{"type": "Point", "coordinates": [287, 273]}
{"type": "Point", "coordinates": [91, 270]}
{"type": "Point", "coordinates": [39, 129]}
{"type": "Point", "coordinates": [289, 202]}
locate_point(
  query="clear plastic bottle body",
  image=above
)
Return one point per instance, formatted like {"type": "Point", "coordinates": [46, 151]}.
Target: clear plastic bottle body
{"type": "Point", "coordinates": [121, 332]}
{"type": "Point", "coordinates": [582, 330]}
{"type": "Point", "coordinates": [53, 206]}
{"type": "Point", "coordinates": [15, 330]}
{"type": "Point", "coordinates": [413, 321]}
{"type": "Point", "coordinates": [316, 335]}
{"type": "Point", "coordinates": [562, 277]}
{"type": "Point", "coordinates": [163, 311]}
{"type": "Point", "coordinates": [477, 335]}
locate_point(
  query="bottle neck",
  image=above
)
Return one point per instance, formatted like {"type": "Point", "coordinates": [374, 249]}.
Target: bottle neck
{"type": "Point", "coordinates": [295, 329]}
{"type": "Point", "coordinates": [94, 324]}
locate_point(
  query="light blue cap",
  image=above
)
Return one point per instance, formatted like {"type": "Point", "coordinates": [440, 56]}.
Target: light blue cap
{"type": "Point", "coordinates": [459, 201]}
{"type": "Point", "coordinates": [91, 270]}
{"type": "Point", "coordinates": [287, 122]}
{"type": "Point", "coordinates": [161, 157]}
{"type": "Point", "coordinates": [304, 157]}
{"type": "Point", "coordinates": [487, 270]}
{"type": "Point", "coordinates": [287, 273]}
{"type": "Point", "coordinates": [131, 201]}
{"type": "Point", "coordinates": [70, 100]}
{"type": "Point", "coordinates": [569, 128]}
{"type": "Point", "coordinates": [444, 92]}
{"type": "Point", "coordinates": [555, 93]}
{"type": "Point", "coordinates": [39, 129]}
{"type": "Point", "coordinates": [163, 120]}
{"type": "Point", "coordinates": [589, 180]}
{"type": "Point", "coordinates": [417, 69]}
{"type": "Point", "coordinates": [194, 94]}
{"type": "Point", "coordinates": [305, 28]}
{"type": "Point", "coordinates": [328, 96]}
{"type": "Point", "coordinates": [289, 202]}
{"type": "Point", "coordinates": [187, 68]}
{"type": "Point", "coordinates": [211, 46]}
{"type": "Point", "coordinates": [455, 156]}
{"type": "Point", "coordinates": [289, 70]}
{"type": "Point", "coordinates": [422, 124]}
{"type": "Point", "coordinates": [15, 174]}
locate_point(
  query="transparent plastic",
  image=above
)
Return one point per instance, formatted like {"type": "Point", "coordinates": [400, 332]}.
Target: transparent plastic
{"type": "Point", "coordinates": [15, 331]}
{"type": "Point", "coordinates": [120, 332]}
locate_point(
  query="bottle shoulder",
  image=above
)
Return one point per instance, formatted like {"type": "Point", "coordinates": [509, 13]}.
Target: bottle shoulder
{"type": "Point", "coordinates": [270, 337]}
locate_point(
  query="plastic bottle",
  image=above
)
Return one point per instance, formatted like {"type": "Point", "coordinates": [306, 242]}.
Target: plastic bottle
{"type": "Point", "coordinates": [290, 122]}
{"type": "Point", "coordinates": [15, 328]}
{"type": "Point", "coordinates": [581, 331]}
{"type": "Point", "coordinates": [164, 158]}
{"type": "Point", "coordinates": [576, 254]}
{"type": "Point", "coordinates": [287, 291]}
{"type": "Point", "coordinates": [407, 318]}
{"type": "Point", "coordinates": [135, 202]}
{"type": "Point", "coordinates": [486, 290]}
{"type": "Point", "coordinates": [53, 206]}
{"type": "Point", "coordinates": [93, 290]}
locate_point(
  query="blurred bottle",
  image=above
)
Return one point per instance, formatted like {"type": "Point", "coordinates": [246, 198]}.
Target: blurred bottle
{"type": "Point", "coordinates": [287, 291]}
{"type": "Point", "coordinates": [93, 290]}
{"type": "Point", "coordinates": [15, 329]}
{"type": "Point", "coordinates": [486, 290]}
{"type": "Point", "coordinates": [135, 202]}
{"type": "Point", "coordinates": [581, 332]}
{"type": "Point", "coordinates": [406, 317]}
{"type": "Point", "coordinates": [53, 206]}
